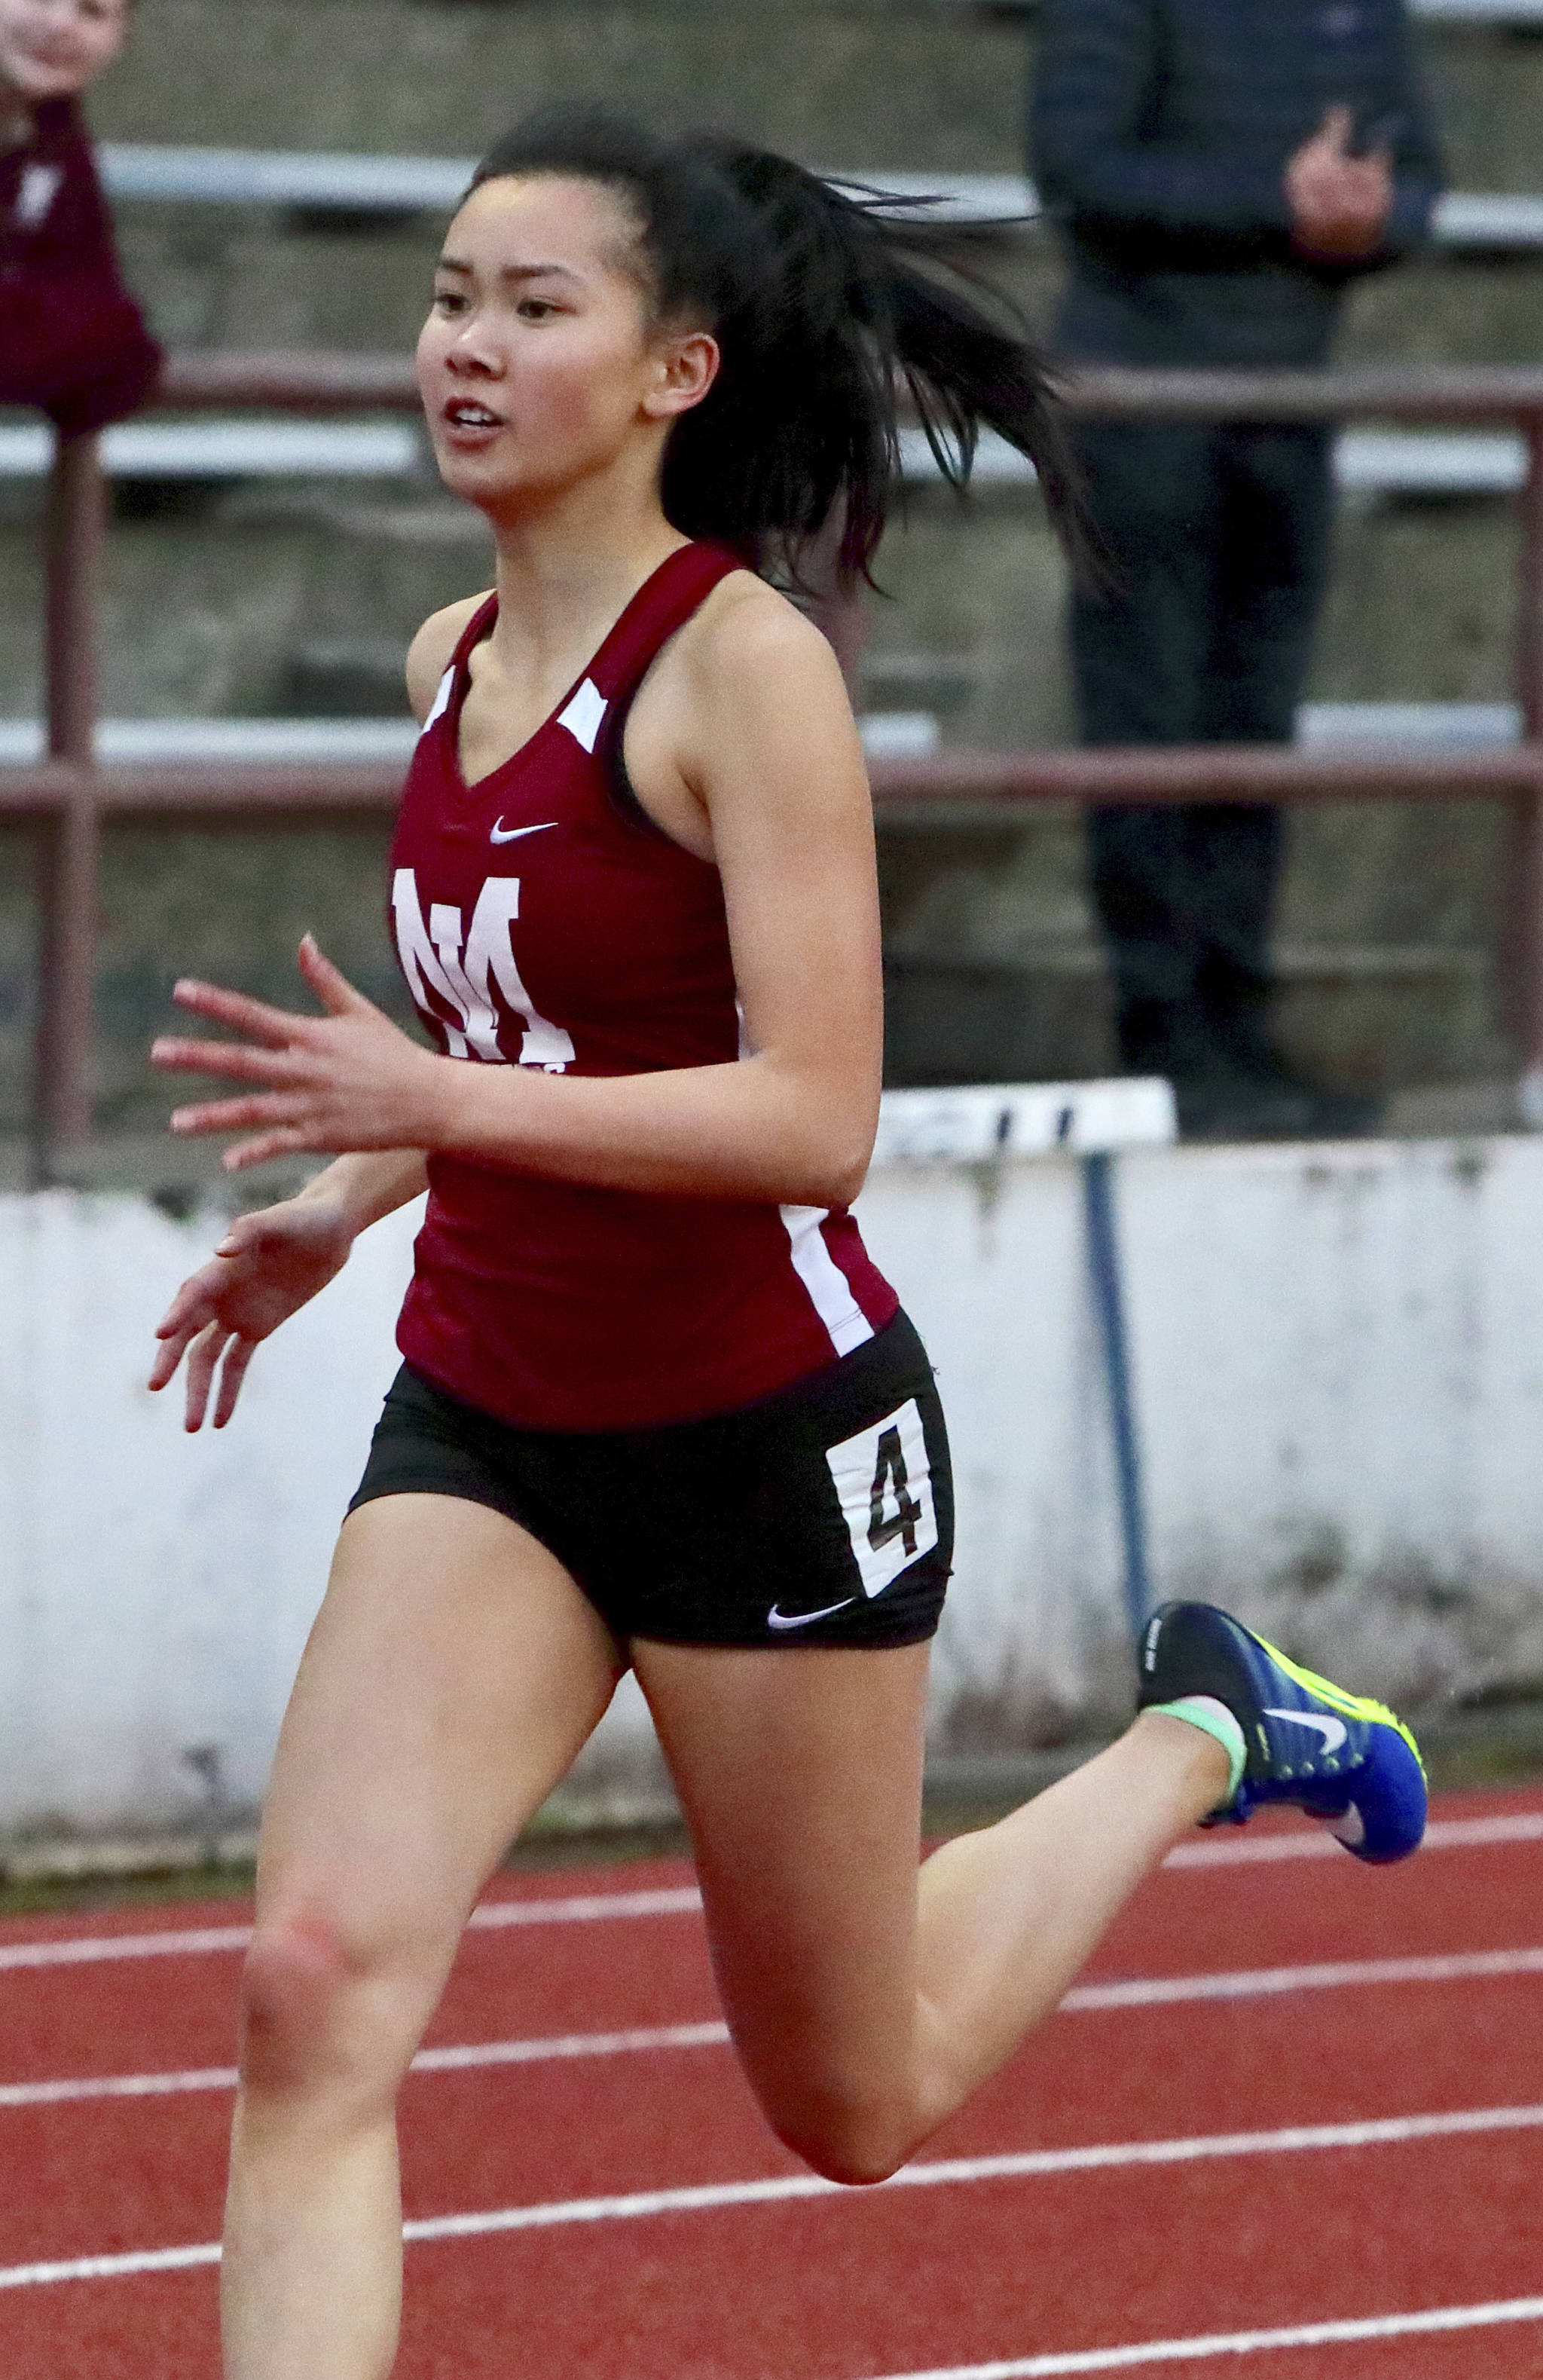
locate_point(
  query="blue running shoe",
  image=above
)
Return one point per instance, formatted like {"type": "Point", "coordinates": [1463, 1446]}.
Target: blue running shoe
{"type": "Point", "coordinates": [1336, 1755]}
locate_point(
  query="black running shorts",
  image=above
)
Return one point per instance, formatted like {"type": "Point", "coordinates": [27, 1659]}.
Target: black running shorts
{"type": "Point", "coordinates": [822, 1515]}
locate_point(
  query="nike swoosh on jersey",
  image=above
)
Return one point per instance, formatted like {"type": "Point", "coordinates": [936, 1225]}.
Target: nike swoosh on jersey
{"type": "Point", "coordinates": [1332, 1730]}
{"type": "Point", "coordinates": [776, 1619]}
{"type": "Point", "coordinates": [501, 833]}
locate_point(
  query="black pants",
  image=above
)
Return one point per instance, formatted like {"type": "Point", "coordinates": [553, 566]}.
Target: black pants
{"type": "Point", "coordinates": [821, 1516]}
{"type": "Point", "coordinates": [1219, 538]}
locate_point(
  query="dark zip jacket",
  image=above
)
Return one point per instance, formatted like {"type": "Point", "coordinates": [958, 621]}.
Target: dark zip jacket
{"type": "Point", "coordinates": [1160, 131]}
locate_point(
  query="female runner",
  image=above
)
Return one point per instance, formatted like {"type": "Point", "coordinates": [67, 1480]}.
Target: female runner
{"type": "Point", "coordinates": [658, 1407]}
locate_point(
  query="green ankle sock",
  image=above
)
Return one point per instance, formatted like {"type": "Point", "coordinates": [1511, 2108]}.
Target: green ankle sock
{"type": "Point", "coordinates": [1214, 1719]}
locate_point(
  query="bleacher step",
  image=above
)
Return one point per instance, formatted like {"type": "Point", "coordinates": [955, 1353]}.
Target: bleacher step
{"type": "Point", "coordinates": [359, 184]}
{"type": "Point", "coordinates": [886, 734]}
{"type": "Point", "coordinates": [321, 743]}
{"type": "Point", "coordinates": [1373, 462]}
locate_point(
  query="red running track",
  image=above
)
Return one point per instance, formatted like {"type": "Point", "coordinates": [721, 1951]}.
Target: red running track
{"type": "Point", "coordinates": [1161, 2178]}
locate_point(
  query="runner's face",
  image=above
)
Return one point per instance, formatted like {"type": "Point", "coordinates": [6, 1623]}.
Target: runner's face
{"type": "Point", "coordinates": [537, 364]}
{"type": "Point", "coordinates": [52, 49]}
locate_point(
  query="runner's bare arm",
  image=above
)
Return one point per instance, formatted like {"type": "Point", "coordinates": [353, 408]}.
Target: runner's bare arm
{"type": "Point", "coordinates": [433, 649]}
{"type": "Point", "coordinates": [274, 1262]}
{"type": "Point", "coordinates": [367, 1186]}
{"type": "Point", "coordinates": [756, 713]}
{"type": "Point", "coordinates": [768, 745]}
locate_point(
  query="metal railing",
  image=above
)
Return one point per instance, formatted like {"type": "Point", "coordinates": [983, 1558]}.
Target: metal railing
{"type": "Point", "coordinates": [69, 798]}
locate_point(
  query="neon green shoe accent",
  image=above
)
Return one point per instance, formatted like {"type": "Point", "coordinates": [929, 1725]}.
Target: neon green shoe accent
{"type": "Point", "coordinates": [1359, 1706]}
{"type": "Point", "coordinates": [1213, 1718]}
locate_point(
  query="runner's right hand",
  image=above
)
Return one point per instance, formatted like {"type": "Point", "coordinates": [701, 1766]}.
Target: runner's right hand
{"type": "Point", "coordinates": [266, 1267]}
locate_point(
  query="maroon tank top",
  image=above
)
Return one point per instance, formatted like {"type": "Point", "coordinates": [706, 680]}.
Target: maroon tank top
{"type": "Point", "coordinates": [541, 919]}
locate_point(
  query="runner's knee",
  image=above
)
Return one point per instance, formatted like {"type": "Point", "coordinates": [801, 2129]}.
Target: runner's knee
{"type": "Point", "coordinates": [306, 2020]}
{"type": "Point", "coordinates": [849, 2138]}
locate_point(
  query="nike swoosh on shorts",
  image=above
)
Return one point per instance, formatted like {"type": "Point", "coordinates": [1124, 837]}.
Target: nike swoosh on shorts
{"type": "Point", "coordinates": [776, 1619]}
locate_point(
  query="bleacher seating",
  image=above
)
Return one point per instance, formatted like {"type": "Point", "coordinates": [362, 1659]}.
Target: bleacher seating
{"type": "Point", "coordinates": [1368, 462]}
{"type": "Point", "coordinates": [353, 183]}
{"type": "Point", "coordinates": [886, 734]}
{"type": "Point", "coordinates": [231, 449]}
{"type": "Point", "coordinates": [1508, 15]}
{"type": "Point", "coordinates": [384, 741]}
{"type": "Point", "coordinates": [1408, 463]}
{"type": "Point", "coordinates": [360, 185]}
{"type": "Point", "coordinates": [1375, 464]}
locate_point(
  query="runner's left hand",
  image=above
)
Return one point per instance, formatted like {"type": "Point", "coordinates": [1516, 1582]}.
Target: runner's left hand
{"type": "Point", "coordinates": [348, 1080]}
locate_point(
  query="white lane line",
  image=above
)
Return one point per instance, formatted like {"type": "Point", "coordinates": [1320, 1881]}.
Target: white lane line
{"type": "Point", "coordinates": [117, 2086]}
{"type": "Point", "coordinates": [1260, 1983]}
{"type": "Point", "coordinates": [595, 1908]}
{"type": "Point", "coordinates": [1390, 2131]}
{"type": "Point", "coordinates": [578, 1909]}
{"type": "Point", "coordinates": [454, 2059]}
{"type": "Point", "coordinates": [681, 1900]}
{"type": "Point", "coordinates": [110, 2269]}
{"type": "Point", "coordinates": [1355, 2332]}
{"type": "Point", "coordinates": [714, 2036]}
{"type": "Point", "coordinates": [1139, 1991]}
{"type": "Point", "coordinates": [1442, 1835]}
{"type": "Point", "coordinates": [196, 1942]}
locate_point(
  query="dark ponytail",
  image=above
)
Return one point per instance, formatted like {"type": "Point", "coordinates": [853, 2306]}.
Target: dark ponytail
{"type": "Point", "coordinates": [825, 304]}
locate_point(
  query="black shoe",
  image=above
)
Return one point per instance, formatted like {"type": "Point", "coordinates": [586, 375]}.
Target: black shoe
{"type": "Point", "coordinates": [1251, 1058]}
{"type": "Point", "coordinates": [1274, 1105]}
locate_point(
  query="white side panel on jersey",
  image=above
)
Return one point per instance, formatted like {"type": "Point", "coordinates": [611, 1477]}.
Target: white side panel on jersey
{"type": "Point", "coordinates": [441, 699]}
{"type": "Point", "coordinates": [829, 1287]}
{"type": "Point", "coordinates": [586, 715]}
{"type": "Point", "coordinates": [885, 1485]}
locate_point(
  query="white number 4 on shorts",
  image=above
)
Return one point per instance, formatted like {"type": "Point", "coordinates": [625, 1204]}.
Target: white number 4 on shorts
{"type": "Point", "coordinates": [885, 1482]}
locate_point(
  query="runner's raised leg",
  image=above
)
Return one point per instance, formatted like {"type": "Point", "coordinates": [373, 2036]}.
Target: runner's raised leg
{"type": "Point", "coordinates": [867, 1997]}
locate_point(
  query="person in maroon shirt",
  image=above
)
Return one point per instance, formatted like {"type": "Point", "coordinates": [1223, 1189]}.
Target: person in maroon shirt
{"type": "Point", "coordinates": [72, 340]}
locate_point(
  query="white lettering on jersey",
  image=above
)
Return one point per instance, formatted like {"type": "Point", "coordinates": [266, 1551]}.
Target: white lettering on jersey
{"type": "Point", "coordinates": [461, 969]}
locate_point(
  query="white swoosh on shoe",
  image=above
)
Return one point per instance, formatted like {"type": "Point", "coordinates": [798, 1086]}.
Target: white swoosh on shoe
{"type": "Point", "coordinates": [1332, 1730]}
{"type": "Point", "coordinates": [501, 833]}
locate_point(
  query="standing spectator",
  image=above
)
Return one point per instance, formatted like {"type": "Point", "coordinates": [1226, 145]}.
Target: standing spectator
{"type": "Point", "coordinates": [71, 337]}
{"type": "Point", "coordinates": [1220, 170]}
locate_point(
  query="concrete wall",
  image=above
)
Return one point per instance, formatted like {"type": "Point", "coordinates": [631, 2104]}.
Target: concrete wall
{"type": "Point", "coordinates": [1337, 1365]}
